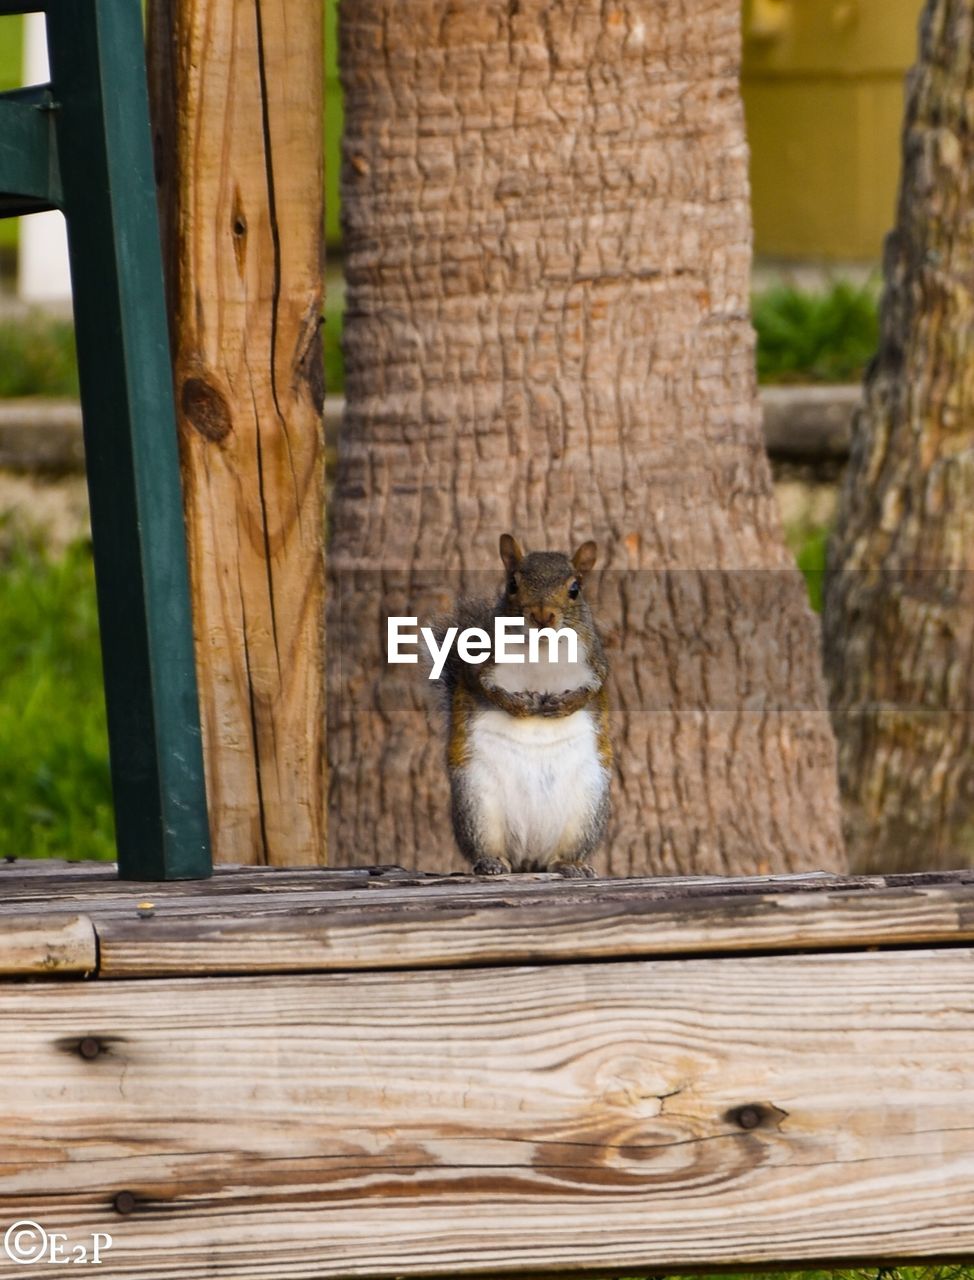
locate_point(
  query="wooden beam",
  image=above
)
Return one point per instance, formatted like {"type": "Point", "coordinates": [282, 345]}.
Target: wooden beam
{"type": "Point", "coordinates": [401, 934]}
{"type": "Point", "coordinates": [809, 424]}
{"type": "Point", "coordinates": [256, 921]}
{"type": "Point", "coordinates": [617, 1117]}
{"type": "Point", "coordinates": [53, 945]}
{"type": "Point", "coordinates": [237, 90]}
{"type": "Point", "coordinates": [41, 436]}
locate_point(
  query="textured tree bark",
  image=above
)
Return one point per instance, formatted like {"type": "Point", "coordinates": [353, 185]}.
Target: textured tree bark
{"type": "Point", "coordinates": [236, 88]}
{"type": "Point", "coordinates": [899, 602]}
{"type": "Point", "coordinates": [548, 251]}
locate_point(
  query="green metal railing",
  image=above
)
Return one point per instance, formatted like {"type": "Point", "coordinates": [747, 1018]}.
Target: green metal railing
{"type": "Point", "coordinates": [82, 144]}
{"type": "Point", "coordinates": [11, 48]}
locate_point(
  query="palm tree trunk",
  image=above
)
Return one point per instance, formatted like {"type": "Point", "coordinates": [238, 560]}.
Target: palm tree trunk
{"type": "Point", "coordinates": [899, 604]}
{"type": "Point", "coordinates": [548, 253]}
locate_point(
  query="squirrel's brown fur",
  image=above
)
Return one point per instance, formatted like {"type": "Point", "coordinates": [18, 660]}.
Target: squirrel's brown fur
{"type": "Point", "coordinates": [552, 815]}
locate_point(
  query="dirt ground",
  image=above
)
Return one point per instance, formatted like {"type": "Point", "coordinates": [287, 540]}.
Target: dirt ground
{"type": "Point", "coordinates": [56, 510]}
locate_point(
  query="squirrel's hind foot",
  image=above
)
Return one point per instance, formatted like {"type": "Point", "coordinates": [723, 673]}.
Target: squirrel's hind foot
{"type": "Point", "coordinates": [574, 870]}
{"type": "Point", "coordinates": [490, 866]}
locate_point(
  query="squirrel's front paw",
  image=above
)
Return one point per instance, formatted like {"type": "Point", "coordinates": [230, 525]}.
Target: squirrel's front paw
{"type": "Point", "coordinates": [559, 704]}
{"type": "Point", "coordinates": [573, 870]}
{"type": "Point", "coordinates": [527, 703]}
{"type": "Point", "coordinates": [490, 866]}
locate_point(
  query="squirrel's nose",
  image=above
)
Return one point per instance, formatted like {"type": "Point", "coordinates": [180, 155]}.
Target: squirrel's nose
{"type": "Point", "coordinates": [543, 616]}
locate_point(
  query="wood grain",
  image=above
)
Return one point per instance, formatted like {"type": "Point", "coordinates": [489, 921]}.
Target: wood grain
{"type": "Point", "coordinates": [411, 933]}
{"type": "Point", "coordinates": [281, 921]}
{"type": "Point", "coordinates": [616, 1117]}
{"type": "Point", "coordinates": [237, 90]}
{"type": "Point", "coordinates": [53, 945]}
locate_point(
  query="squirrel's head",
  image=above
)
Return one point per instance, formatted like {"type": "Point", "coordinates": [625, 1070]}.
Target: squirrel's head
{"type": "Point", "coordinates": [545, 586]}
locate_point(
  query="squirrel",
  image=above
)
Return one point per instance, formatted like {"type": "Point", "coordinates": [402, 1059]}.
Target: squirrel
{"type": "Point", "coordinates": [529, 755]}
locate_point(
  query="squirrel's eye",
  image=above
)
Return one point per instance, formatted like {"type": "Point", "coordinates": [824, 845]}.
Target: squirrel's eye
{"type": "Point", "coordinates": [574, 589]}
{"type": "Point", "coordinates": [511, 586]}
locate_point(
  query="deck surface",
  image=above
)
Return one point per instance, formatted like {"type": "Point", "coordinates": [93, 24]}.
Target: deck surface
{"type": "Point", "coordinates": [315, 1075]}
{"type": "Point", "coordinates": [79, 918]}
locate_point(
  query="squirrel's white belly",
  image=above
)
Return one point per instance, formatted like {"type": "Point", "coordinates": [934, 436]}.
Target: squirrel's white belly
{"type": "Point", "coordinates": [538, 783]}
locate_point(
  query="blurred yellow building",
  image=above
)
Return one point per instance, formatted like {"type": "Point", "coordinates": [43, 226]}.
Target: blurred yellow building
{"type": "Point", "coordinates": [823, 92]}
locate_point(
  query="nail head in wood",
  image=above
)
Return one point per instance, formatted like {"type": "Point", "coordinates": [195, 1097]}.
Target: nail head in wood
{"type": "Point", "coordinates": [124, 1202]}
{"type": "Point", "coordinates": [748, 1117]}
{"type": "Point", "coordinates": [89, 1048]}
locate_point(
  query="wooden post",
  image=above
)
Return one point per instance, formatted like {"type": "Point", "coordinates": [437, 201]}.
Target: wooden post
{"type": "Point", "coordinates": [236, 87]}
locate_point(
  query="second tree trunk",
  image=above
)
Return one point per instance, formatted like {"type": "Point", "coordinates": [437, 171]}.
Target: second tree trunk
{"type": "Point", "coordinates": [899, 603]}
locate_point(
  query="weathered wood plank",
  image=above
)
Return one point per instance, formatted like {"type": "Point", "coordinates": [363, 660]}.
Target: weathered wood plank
{"type": "Point", "coordinates": [48, 880]}
{"type": "Point", "coordinates": [617, 1116]}
{"type": "Point", "coordinates": [809, 423]}
{"type": "Point", "coordinates": [51, 944]}
{"type": "Point", "coordinates": [23, 879]}
{"type": "Point", "coordinates": [340, 888]}
{"type": "Point", "coordinates": [279, 921]}
{"type": "Point", "coordinates": [41, 436]}
{"type": "Point", "coordinates": [411, 934]}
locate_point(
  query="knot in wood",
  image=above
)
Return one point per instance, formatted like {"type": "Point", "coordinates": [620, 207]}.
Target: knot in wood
{"type": "Point", "coordinates": [124, 1202]}
{"type": "Point", "coordinates": [206, 409]}
{"type": "Point", "coordinates": [750, 1116]}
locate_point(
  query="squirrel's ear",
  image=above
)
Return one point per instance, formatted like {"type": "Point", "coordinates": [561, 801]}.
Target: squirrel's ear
{"type": "Point", "coordinates": [512, 553]}
{"type": "Point", "coordinates": [584, 558]}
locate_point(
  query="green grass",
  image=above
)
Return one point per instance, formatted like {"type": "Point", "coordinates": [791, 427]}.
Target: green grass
{"type": "Point", "coordinates": [37, 357]}
{"type": "Point", "coordinates": [55, 793]}
{"type": "Point", "coordinates": [11, 55]}
{"type": "Point", "coordinates": [806, 336]}
{"type": "Point", "coordinates": [11, 45]}
{"type": "Point", "coordinates": [332, 342]}
{"type": "Point", "coordinates": [809, 545]}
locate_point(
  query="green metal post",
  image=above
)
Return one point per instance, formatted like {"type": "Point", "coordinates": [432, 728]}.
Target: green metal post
{"type": "Point", "coordinates": [104, 148]}
{"type": "Point", "coordinates": [30, 177]}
